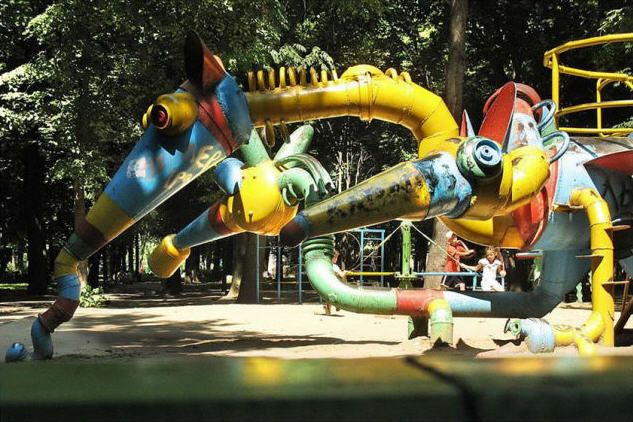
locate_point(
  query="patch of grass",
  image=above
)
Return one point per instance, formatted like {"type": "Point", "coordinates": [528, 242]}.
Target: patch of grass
{"type": "Point", "coordinates": [14, 286]}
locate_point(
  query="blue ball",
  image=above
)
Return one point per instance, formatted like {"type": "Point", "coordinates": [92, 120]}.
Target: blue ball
{"type": "Point", "coordinates": [16, 353]}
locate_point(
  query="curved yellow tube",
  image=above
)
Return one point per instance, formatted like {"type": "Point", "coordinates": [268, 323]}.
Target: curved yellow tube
{"type": "Point", "coordinates": [366, 92]}
{"type": "Point", "coordinates": [363, 91]}
{"type": "Point", "coordinates": [166, 258]}
{"type": "Point", "coordinates": [600, 322]}
{"type": "Point", "coordinates": [602, 263]}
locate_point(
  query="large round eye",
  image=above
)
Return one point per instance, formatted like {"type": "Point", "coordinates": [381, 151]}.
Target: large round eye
{"type": "Point", "coordinates": [172, 114]}
{"type": "Point", "coordinates": [159, 116]}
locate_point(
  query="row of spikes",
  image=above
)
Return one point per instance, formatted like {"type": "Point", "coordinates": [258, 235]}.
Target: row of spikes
{"type": "Point", "coordinates": [263, 80]}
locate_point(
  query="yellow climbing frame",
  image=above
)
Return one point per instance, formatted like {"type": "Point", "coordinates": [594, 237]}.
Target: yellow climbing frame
{"type": "Point", "coordinates": [551, 60]}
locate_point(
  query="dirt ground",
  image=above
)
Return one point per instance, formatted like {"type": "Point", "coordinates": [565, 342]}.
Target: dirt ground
{"type": "Point", "coordinates": [133, 327]}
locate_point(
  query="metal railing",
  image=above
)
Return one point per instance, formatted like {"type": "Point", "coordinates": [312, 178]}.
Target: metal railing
{"type": "Point", "coordinates": [551, 60]}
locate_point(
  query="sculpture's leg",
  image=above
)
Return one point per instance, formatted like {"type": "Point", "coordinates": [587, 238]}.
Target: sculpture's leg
{"type": "Point", "coordinates": [254, 200]}
{"type": "Point", "coordinates": [173, 250]}
{"type": "Point", "coordinates": [162, 162]}
{"type": "Point", "coordinates": [599, 325]}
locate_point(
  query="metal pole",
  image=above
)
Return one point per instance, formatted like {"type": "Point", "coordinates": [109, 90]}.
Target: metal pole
{"type": "Point", "coordinates": [300, 276]}
{"type": "Point", "coordinates": [280, 266]}
{"type": "Point", "coordinates": [257, 266]}
{"type": "Point", "coordinates": [362, 254]}
{"type": "Point", "coordinates": [382, 257]}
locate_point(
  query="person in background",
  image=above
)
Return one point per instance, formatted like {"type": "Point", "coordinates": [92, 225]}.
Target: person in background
{"type": "Point", "coordinates": [491, 265]}
{"type": "Point", "coordinates": [456, 249]}
{"type": "Point", "coordinates": [327, 307]}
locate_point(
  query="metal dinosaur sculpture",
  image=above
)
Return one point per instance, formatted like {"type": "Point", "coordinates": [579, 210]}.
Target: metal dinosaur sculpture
{"type": "Point", "coordinates": [518, 184]}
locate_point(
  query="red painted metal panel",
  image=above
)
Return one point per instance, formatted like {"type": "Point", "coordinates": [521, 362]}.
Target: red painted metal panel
{"type": "Point", "coordinates": [619, 161]}
{"type": "Point", "coordinates": [498, 110]}
{"type": "Point", "coordinates": [531, 218]}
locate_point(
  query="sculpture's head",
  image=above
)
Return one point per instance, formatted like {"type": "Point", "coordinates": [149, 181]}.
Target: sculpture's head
{"type": "Point", "coordinates": [186, 133]}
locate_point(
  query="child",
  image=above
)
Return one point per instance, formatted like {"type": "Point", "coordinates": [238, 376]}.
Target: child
{"type": "Point", "coordinates": [491, 265]}
{"type": "Point", "coordinates": [456, 250]}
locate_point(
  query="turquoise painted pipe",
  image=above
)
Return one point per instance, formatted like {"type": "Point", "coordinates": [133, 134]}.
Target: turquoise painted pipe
{"type": "Point", "coordinates": [298, 143]}
{"type": "Point", "coordinates": [254, 151]}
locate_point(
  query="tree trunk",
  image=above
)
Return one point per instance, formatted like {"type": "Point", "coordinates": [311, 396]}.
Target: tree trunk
{"type": "Point", "coordinates": [79, 214]}
{"type": "Point", "coordinates": [244, 285]}
{"type": "Point", "coordinates": [32, 201]}
{"type": "Point", "coordinates": [436, 257]}
{"type": "Point", "coordinates": [93, 272]}
{"type": "Point", "coordinates": [456, 57]}
{"type": "Point", "coordinates": [137, 251]}
{"type": "Point", "coordinates": [454, 101]}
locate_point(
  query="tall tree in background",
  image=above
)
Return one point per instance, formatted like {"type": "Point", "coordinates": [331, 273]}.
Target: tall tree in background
{"type": "Point", "coordinates": [454, 94]}
{"type": "Point", "coordinates": [456, 66]}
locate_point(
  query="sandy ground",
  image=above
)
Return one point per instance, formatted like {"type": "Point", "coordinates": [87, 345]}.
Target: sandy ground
{"type": "Point", "coordinates": [203, 327]}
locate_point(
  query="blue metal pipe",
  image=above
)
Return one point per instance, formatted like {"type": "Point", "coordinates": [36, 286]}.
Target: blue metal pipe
{"type": "Point", "coordinates": [561, 272]}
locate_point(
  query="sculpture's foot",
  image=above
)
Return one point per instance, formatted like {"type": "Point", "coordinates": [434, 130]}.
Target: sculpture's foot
{"type": "Point", "coordinates": [17, 352]}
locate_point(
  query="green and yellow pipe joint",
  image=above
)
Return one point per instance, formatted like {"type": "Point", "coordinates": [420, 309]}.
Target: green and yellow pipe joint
{"type": "Point", "coordinates": [264, 197]}
{"type": "Point", "coordinates": [440, 322]}
{"type": "Point", "coordinates": [318, 253]}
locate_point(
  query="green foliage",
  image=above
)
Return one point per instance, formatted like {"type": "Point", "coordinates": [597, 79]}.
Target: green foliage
{"type": "Point", "coordinates": [77, 75]}
{"type": "Point", "coordinates": [92, 298]}
{"type": "Point", "coordinates": [13, 286]}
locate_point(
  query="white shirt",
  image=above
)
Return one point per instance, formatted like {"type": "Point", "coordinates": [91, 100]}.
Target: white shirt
{"type": "Point", "coordinates": [489, 270]}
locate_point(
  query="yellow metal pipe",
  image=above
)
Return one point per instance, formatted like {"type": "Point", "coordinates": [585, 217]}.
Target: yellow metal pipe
{"type": "Point", "coordinates": [600, 84]}
{"type": "Point", "coordinates": [600, 322]}
{"type": "Point", "coordinates": [362, 91]}
{"type": "Point", "coordinates": [369, 273]}
{"type": "Point", "coordinates": [587, 42]}
{"type": "Point", "coordinates": [593, 106]}
{"type": "Point", "coordinates": [555, 82]}
{"type": "Point", "coordinates": [590, 131]}
{"type": "Point", "coordinates": [592, 74]}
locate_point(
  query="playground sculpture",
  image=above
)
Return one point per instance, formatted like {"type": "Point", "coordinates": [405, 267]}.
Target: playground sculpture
{"type": "Point", "coordinates": [519, 183]}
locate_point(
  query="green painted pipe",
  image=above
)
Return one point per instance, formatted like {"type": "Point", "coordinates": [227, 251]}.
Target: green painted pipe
{"type": "Point", "coordinates": [254, 151]}
{"type": "Point", "coordinates": [297, 184]}
{"type": "Point", "coordinates": [299, 143]}
{"type": "Point", "coordinates": [318, 254]}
